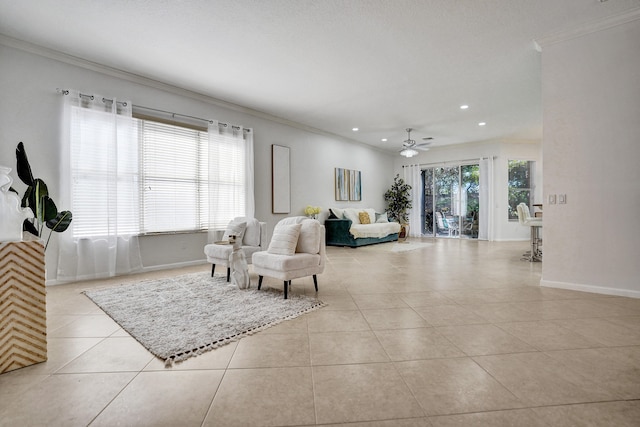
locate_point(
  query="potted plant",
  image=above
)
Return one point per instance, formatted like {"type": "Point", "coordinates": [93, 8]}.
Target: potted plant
{"type": "Point", "coordinates": [36, 197]}
{"type": "Point", "coordinates": [312, 211]}
{"type": "Point", "coordinates": [398, 203]}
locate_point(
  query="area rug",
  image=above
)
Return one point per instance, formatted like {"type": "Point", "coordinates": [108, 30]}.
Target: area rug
{"type": "Point", "coordinates": [184, 316]}
{"type": "Point", "coordinates": [395, 246]}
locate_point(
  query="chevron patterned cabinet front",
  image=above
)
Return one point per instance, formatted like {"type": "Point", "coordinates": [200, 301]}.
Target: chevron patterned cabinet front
{"type": "Point", "coordinates": [23, 320]}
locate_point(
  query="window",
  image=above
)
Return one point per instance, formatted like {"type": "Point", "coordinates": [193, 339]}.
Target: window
{"type": "Point", "coordinates": [174, 178]}
{"type": "Point", "coordinates": [138, 175]}
{"type": "Point", "coordinates": [520, 185]}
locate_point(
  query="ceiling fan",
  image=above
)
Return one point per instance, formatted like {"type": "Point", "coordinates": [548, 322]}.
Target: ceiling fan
{"type": "Point", "coordinates": [409, 146]}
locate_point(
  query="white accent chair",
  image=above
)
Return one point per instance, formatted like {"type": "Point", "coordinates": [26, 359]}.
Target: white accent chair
{"type": "Point", "coordinates": [535, 224]}
{"type": "Point", "coordinates": [253, 236]}
{"type": "Point", "coordinates": [297, 249]}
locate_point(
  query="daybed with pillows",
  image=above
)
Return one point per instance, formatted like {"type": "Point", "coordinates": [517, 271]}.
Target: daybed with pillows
{"type": "Point", "coordinates": [359, 227]}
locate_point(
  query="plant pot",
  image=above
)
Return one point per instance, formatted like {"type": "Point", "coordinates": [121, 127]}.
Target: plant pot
{"type": "Point", "coordinates": [404, 232]}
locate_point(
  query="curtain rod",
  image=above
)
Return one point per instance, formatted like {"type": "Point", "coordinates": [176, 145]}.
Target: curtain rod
{"type": "Point", "coordinates": [178, 114]}
{"type": "Point", "coordinates": [173, 115]}
{"type": "Point", "coordinates": [449, 162]}
{"type": "Point", "coordinates": [91, 97]}
{"type": "Point", "coordinates": [248, 130]}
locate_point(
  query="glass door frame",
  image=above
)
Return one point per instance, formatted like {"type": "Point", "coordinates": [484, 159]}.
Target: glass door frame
{"type": "Point", "coordinates": [450, 221]}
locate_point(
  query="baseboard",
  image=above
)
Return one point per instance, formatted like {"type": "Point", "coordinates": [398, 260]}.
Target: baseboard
{"type": "Point", "coordinates": [590, 288]}
{"type": "Point", "coordinates": [174, 265]}
{"type": "Point", "coordinates": [54, 282]}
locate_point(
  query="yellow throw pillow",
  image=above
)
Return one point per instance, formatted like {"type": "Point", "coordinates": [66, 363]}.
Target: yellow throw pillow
{"type": "Point", "coordinates": [364, 218]}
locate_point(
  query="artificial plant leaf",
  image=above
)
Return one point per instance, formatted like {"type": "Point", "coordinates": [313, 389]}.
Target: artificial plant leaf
{"type": "Point", "coordinates": [61, 222]}
{"type": "Point", "coordinates": [23, 169]}
{"type": "Point", "coordinates": [49, 209]}
{"type": "Point", "coordinates": [37, 201]}
{"type": "Point", "coordinates": [29, 227]}
{"type": "Point", "coordinates": [28, 201]}
{"type": "Point", "coordinates": [41, 189]}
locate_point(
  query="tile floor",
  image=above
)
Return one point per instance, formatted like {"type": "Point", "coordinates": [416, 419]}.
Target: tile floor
{"type": "Point", "coordinates": [456, 333]}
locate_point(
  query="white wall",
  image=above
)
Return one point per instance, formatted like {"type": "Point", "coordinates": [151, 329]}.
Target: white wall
{"type": "Point", "coordinates": [30, 110]}
{"type": "Point", "coordinates": [501, 152]}
{"type": "Point", "coordinates": [591, 101]}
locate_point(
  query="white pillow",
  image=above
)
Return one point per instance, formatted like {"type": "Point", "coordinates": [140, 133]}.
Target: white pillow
{"type": "Point", "coordinates": [309, 240]}
{"type": "Point", "coordinates": [235, 228]}
{"type": "Point", "coordinates": [352, 214]}
{"type": "Point", "coordinates": [372, 214]}
{"type": "Point", "coordinates": [284, 239]}
{"type": "Point", "coordinates": [382, 217]}
{"type": "Point", "coordinates": [252, 233]}
{"type": "Point", "coordinates": [339, 213]}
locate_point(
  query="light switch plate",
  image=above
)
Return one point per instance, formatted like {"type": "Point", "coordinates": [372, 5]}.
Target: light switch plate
{"type": "Point", "coordinates": [552, 199]}
{"type": "Point", "coordinates": [562, 199]}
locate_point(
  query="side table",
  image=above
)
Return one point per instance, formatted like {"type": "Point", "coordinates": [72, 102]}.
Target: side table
{"type": "Point", "coordinates": [23, 318]}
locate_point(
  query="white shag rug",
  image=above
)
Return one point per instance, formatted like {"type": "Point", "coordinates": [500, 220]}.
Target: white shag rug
{"type": "Point", "coordinates": [181, 317]}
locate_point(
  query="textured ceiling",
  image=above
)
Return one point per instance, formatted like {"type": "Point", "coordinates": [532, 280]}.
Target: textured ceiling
{"type": "Point", "coordinates": [379, 65]}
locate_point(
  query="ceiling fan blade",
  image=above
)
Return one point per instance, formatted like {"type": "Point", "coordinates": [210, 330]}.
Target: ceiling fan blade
{"type": "Point", "coordinates": [411, 144]}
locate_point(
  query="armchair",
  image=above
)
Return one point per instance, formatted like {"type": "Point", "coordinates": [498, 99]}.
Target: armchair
{"type": "Point", "coordinates": [297, 249]}
{"type": "Point", "coordinates": [250, 231]}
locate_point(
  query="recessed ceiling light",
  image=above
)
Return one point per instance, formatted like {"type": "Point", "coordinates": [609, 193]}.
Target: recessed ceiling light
{"type": "Point", "coordinates": [384, 140]}
{"type": "Point", "coordinates": [482, 124]}
{"type": "Point", "coordinates": [355, 129]}
{"type": "Point", "coordinates": [464, 107]}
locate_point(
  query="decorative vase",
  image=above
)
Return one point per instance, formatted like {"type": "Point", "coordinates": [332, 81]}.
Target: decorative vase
{"type": "Point", "coordinates": [404, 233]}
{"type": "Point", "coordinates": [11, 215]}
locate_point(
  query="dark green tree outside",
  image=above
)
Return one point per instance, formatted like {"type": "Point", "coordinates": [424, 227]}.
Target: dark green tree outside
{"type": "Point", "coordinates": [519, 185]}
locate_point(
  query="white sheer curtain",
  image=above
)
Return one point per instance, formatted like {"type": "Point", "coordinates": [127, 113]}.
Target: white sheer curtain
{"type": "Point", "coordinates": [413, 177]}
{"type": "Point", "coordinates": [485, 220]}
{"type": "Point", "coordinates": [99, 164]}
{"type": "Point", "coordinates": [230, 176]}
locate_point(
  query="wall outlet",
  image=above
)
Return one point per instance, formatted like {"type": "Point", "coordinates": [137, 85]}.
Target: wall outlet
{"type": "Point", "coordinates": [562, 199]}
{"type": "Point", "coordinates": [552, 199]}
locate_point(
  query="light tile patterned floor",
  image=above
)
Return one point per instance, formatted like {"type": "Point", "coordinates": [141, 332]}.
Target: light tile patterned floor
{"type": "Point", "coordinates": [453, 334]}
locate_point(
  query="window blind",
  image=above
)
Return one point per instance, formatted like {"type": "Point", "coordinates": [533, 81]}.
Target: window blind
{"type": "Point", "coordinates": [157, 178]}
{"type": "Point", "coordinates": [174, 178]}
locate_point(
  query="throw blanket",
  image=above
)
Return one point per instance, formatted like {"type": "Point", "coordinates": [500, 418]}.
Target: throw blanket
{"type": "Point", "coordinates": [376, 230]}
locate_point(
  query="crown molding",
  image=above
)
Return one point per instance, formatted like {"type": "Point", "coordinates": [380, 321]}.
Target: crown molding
{"type": "Point", "coordinates": [587, 28]}
{"type": "Point", "coordinates": [166, 87]}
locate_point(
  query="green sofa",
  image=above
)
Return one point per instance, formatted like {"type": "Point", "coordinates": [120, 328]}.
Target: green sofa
{"type": "Point", "coordinates": [337, 234]}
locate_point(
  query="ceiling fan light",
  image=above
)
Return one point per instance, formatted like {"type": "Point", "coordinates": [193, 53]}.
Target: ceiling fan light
{"type": "Point", "coordinates": [408, 152]}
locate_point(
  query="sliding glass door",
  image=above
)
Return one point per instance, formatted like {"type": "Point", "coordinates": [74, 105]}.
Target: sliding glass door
{"type": "Point", "coordinates": [470, 201]}
{"type": "Point", "coordinates": [451, 201]}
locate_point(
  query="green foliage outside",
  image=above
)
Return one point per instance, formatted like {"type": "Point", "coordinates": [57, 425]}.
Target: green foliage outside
{"type": "Point", "coordinates": [519, 185]}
